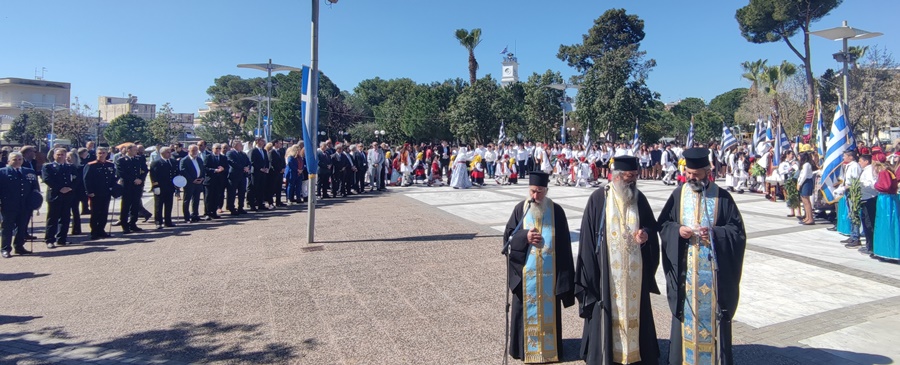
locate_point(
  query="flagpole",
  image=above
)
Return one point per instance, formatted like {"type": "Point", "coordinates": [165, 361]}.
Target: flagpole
{"type": "Point", "coordinates": [312, 118]}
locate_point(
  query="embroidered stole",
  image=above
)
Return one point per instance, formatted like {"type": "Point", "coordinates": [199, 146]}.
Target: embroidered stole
{"type": "Point", "coordinates": [539, 292]}
{"type": "Point", "coordinates": [625, 277]}
{"type": "Point", "coordinates": [698, 331]}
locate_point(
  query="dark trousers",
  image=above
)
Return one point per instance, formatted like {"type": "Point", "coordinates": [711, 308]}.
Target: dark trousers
{"type": "Point", "coordinates": [162, 206]}
{"type": "Point", "coordinates": [131, 206]}
{"type": "Point", "coordinates": [361, 180]}
{"type": "Point", "coordinates": [215, 193]}
{"type": "Point", "coordinates": [523, 168]}
{"type": "Point", "coordinates": [530, 165]}
{"type": "Point", "coordinates": [237, 189]}
{"type": "Point", "coordinates": [349, 182]}
{"type": "Point", "coordinates": [84, 203]}
{"type": "Point", "coordinates": [322, 185]}
{"type": "Point", "coordinates": [258, 188]}
{"type": "Point", "coordinates": [276, 183]}
{"type": "Point", "coordinates": [76, 216]}
{"type": "Point", "coordinates": [191, 200]}
{"type": "Point", "coordinates": [58, 218]}
{"type": "Point", "coordinates": [15, 224]}
{"type": "Point", "coordinates": [99, 214]}
{"type": "Point", "coordinates": [867, 219]}
{"type": "Point", "coordinates": [337, 183]}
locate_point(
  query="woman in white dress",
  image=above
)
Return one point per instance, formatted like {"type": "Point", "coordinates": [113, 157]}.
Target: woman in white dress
{"type": "Point", "coordinates": [460, 175]}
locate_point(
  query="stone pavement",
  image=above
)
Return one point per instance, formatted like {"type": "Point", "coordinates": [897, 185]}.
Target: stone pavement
{"type": "Point", "coordinates": [412, 276]}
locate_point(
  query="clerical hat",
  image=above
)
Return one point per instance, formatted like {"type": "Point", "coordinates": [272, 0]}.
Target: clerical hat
{"type": "Point", "coordinates": [538, 178]}
{"type": "Point", "coordinates": [696, 158]}
{"type": "Point", "coordinates": [625, 163]}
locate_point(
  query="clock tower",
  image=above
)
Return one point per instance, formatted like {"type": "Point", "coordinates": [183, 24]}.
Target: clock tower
{"type": "Point", "coordinates": [510, 72]}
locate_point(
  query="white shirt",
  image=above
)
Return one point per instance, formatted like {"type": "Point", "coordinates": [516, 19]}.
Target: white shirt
{"type": "Point", "coordinates": [867, 181]}
{"type": "Point", "coordinates": [490, 156]}
{"type": "Point", "coordinates": [851, 172]}
{"type": "Point", "coordinates": [196, 166]}
{"type": "Point", "coordinates": [805, 173]}
{"type": "Point", "coordinates": [521, 154]}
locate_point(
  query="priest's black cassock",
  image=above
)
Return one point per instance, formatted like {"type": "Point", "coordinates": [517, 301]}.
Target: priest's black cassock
{"type": "Point", "coordinates": [730, 240]}
{"type": "Point", "coordinates": [592, 284]}
{"type": "Point", "coordinates": [565, 272]}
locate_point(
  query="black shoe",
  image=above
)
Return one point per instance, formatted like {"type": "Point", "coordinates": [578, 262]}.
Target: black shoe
{"type": "Point", "coordinates": [135, 228]}
{"type": "Point", "coordinates": [62, 243]}
{"type": "Point", "coordinates": [205, 218]}
{"type": "Point", "coordinates": [234, 212]}
{"type": "Point", "coordinates": [853, 244]}
{"type": "Point", "coordinates": [126, 231]}
{"type": "Point", "coordinates": [30, 237]}
{"type": "Point", "coordinates": [105, 235]}
{"type": "Point", "coordinates": [241, 211]}
{"type": "Point", "coordinates": [159, 226]}
{"type": "Point", "coordinates": [23, 251]}
{"type": "Point", "coordinates": [78, 233]}
{"type": "Point", "coordinates": [280, 205]}
{"type": "Point", "coordinates": [170, 225]}
{"type": "Point", "coordinates": [195, 219]}
{"type": "Point", "coordinates": [95, 237]}
{"type": "Point", "coordinates": [187, 221]}
{"type": "Point", "coordinates": [848, 240]}
{"type": "Point", "coordinates": [5, 254]}
{"type": "Point", "coordinates": [865, 251]}
{"type": "Point", "coordinates": [832, 228]}
{"type": "Point", "coordinates": [51, 245]}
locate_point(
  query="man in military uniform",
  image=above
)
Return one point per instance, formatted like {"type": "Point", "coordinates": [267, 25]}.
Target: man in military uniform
{"type": "Point", "coordinates": [238, 169]}
{"type": "Point", "coordinates": [162, 171]}
{"type": "Point", "coordinates": [131, 172]}
{"type": "Point", "coordinates": [60, 179]}
{"type": "Point", "coordinates": [16, 185]}
{"type": "Point", "coordinates": [216, 170]}
{"type": "Point", "coordinates": [99, 180]}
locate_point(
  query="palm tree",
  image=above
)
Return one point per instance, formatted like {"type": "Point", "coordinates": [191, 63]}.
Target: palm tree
{"type": "Point", "coordinates": [775, 76]}
{"type": "Point", "coordinates": [753, 71]}
{"type": "Point", "coordinates": [470, 40]}
{"type": "Point", "coordinates": [856, 53]}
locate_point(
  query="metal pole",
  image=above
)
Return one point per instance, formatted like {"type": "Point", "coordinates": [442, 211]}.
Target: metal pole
{"type": "Point", "coordinates": [312, 117]}
{"type": "Point", "coordinates": [258, 116]}
{"type": "Point", "coordinates": [52, 139]}
{"type": "Point", "coordinates": [268, 97]}
{"type": "Point", "coordinates": [846, 78]}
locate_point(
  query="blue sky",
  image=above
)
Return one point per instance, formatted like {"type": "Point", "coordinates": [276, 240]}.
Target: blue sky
{"type": "Point", "coordinates": [170, 51]}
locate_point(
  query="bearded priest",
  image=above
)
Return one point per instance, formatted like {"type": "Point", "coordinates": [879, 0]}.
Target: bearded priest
{"type": "Point", "coordinates": [703, 241]}
{"type": "Point", "coordinates": [540, 274]}
{"type": "Point", "coordinates": [614, 275]}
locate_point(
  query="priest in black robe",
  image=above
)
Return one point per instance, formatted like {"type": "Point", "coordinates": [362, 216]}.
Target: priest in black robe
{"type": "Point", "coordinates": [618, 329]}
{"type": "Point", "coordinates": [540, 274]}
{"type": "Point", "coordinates": [703, 241]}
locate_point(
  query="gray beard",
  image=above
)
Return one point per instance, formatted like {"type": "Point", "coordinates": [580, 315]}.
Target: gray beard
{"type": "Point", "coordinates": [696, 185]}
{"type": "Point", "coordinates": [538, 209]}
{"type": "Point", "coordinates": [626, 192]}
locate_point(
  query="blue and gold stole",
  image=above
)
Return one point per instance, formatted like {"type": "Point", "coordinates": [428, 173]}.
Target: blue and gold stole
{"type": "Point", "coordinates": [539, 292]}
{"type": "Point", "coordinates": [698, 331]}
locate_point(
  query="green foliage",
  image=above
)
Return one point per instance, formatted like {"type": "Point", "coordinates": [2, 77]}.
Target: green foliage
{"type": "Point", "coordinates": [688, 107]}
{"type": "Point", "coordinates": [776, 76]}
{"type": "Point", "coordinates": [26, 128]}
{"type": "Point", "coordinates": [76, 125]}
{"type": "Point", "coordinates": [217, 125]}
{"type": "Point", "coordinates": [165, 128]}
{"type": "Point", "coordinates": [611, 31]}
{"type": "Point", "coordinates": [753, 72]}
{"type": "Point", "coordinates": [471, 115]}
{"type": "Point", "coordinates": [469, 40]}
{"type": "Point", "coordinates": [543, 113]}
{"type": "Point", "coordinates": [727, 104]}
{"type": "Point", "coordinates": [791, 194]}
{"type": "Point", "coordinates": [126, 128]}
{"type": "Point", "coordinates": [707, 126]}
{"type": "Point", "coordinates": [854, 197]}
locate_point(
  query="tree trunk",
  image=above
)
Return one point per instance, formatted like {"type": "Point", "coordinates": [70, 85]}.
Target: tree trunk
{"type": "Point", "coordinates": [473, 66]}
{"type": "Point", "coordinates": [810, 80]}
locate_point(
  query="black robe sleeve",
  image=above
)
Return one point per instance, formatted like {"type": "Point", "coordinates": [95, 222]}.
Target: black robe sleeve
{"type": "Point", "coordinates": [672, 244]}
{"type": "Point", "coordinates": [587, 284]}
{"type": "Point", "coordinates": [730, 241]}
{"type": "Point", "coordinates": [518, 248]}
{"type": "Point", "coordinates": [650, 249]}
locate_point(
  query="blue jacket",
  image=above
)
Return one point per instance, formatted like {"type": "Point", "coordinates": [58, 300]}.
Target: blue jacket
{"type": "Point", "coordinates": [16, 188]}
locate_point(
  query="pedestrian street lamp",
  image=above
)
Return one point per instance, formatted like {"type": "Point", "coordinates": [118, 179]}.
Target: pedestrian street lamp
{"type": "Point", "coordinates": [268, 67]}
{"type": "Point", "coordinates": [845, 33]}
{"type": "Point", "coordinates": [258, 99]}
{"type": "Point", "coordinates": [379, 134]}
{"type": "Point", "coordinates": [562, 103]}
{"type": "Point", "coordinates": [51, 139]}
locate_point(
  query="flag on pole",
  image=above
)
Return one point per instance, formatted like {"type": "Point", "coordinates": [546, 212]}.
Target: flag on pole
{"type": "Point", "coordinates": [690, 136]}
{"type": "Point", "coordinates": [728, 139]}
{"type": "Point", "coordinates": [779, 146]}
{"type": "Point", "coordinates": [770, 136]}
{"type": "Point", "coordinates": [587, 138]}
{"type": "Point", "coordinates": [309, 141]}
{"type": "Point", "coordinates": [636, 141]}
{"type": "Point", "coordinates": [784, 139]}
{"type": "Point", "coordinates": [820, 131]}
{"type": "Point", "coordinates": [502, 134]}
{"type": "Point", "coordinates": [840, 140]}
{"type": "Point", "coordinates": [504, 50]}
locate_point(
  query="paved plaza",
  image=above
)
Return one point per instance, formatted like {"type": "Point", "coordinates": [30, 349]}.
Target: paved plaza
{"type": "Point", "coordinates": [411, 276]}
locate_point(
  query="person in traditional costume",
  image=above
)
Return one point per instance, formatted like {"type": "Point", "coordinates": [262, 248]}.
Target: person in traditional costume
{"type": "Point", "coordinates": [477, 170]}
{"type": "Point", "coordinates": [887, 227]}
{"type": "Point", "coordinates": [703, 242]}
{"type": "Point", "coordinates": [501, 171]}
{"type": "Point", "coordinates": [513, 172]}
{"type": "Point", "coordinates": [541, 274]}
{"type": "Point", "coordinates": [460, 175]}
{"type": "Point", "coordinates": [615, 272]}
{"type": "Point", "coordinates": [584, 173]}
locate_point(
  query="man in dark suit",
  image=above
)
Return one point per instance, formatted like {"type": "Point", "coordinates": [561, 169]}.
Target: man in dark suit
{"type": "Point", "coordinates": [238, 170]}
{"type": "Point", "coordinates": [216, 171]}
{"type": "Point", "coordinates": [17, 183]}
{"type": "Point", "coordinates": [341, 167]}
{"type": "Point", "coordinates": [277, 164]}
{"type": "Point", "coordinates": [259, 168]}
{"type": "Point", "coordinates": [193, 170]}
{"type": "Point", "coordinates": [131, 175]}
{"type": "Point", "coordinates": [325, 166]}
{"type": "Point", "coordinates": [362, 166]}
{"type": "Point", "coordinates": [60, 179]}
{"type": "Point", "coordinates": [162, 171]}
{"type": "Point", "coordinates": [99, 181]}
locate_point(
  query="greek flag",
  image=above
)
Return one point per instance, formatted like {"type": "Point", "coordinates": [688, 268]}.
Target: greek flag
{"type": "Point", "coordinates": [779, 147]}
{"type": "Point", "coordinates": [757, 135]}
{"type": "Point", "coordinates": [728, 139]}
{"type": "Point", "coordinates": [636, 141]}
{"type": "Point", "coordinates": [587, 139]}
{"type": "Point", "coordinates": [785, 141]}
{"type": "Point", "coordinates": [502, 134]}
{"type": "Point", "coordinates": [820, 131]}
{"type": "Point", "coordinates": [840, 140]}
{"type": "Point", "coordinates": [309, 141]}
{"type": "Point", "coordinates": [769, 135]}
{"type": "Point", "coordinates": [690, 136]}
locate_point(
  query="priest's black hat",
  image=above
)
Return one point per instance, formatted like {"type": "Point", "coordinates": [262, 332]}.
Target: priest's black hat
{"type": "Point", "coordinates": [696, 158]}
{"type": "Point", "coordinates": [625, 163]}
{"type": "Point", "coordinates": [538, 178]}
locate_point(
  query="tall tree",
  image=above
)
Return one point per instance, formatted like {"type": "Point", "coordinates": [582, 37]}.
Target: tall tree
{"type": "Point", "coordinates": [543, 113]}
{"type": "Point", "coordinates": [727, 104]}
{"type": "Point", "coordinates": [614, 73]}
{"type": "Point", "coordinates": [753, 71]}
{"type": "Point", "coordinates": [765, 21]}
{"type": "Point", "coordinates": [472, 118]}
{"type": "Point", "coordinates": [76, 125]}
{"type": "Point", "coordinates": [775, 76]}
{"type": "Point", "coordinates": [165, 128]}
{"type": "Point", "coordinates": [218, 125]}
{"type": "Point", "coordinates": [470, 40]}
{"type": "Point", "coordinates": [126, 128]}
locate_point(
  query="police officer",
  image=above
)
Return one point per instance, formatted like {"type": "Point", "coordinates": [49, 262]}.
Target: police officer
{"type": "Point", "coordinates": [238, 170]}
{"type": "Point", "coordinates": [60, 179]}
{"type": "Point", "coordinates": [99, 181]}
{"type": "Point", "coordinates": [131, 176]}
{"type": "Point", "coordinates": [16, 185]}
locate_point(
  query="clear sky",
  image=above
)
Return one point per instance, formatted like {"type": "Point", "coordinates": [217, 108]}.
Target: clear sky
{"type": "Point", "coordinates": [171, 51]}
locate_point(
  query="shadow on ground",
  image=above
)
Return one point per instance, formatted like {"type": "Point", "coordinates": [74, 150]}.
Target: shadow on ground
{"type": "Point", "coordinates": [183, 342]}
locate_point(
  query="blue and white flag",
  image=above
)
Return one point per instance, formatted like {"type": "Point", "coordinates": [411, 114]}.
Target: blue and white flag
{"type": "Point", "coordinates": [587, 138]}
{"type": "Point", "coordinates": [728, 139]}
{"type": "Point", "coordinates": [779, 147]}
{"type": "Point", "coordinates": [784, 139]}
{"type": "Point", "coordinates": [840, 140]}
{"type": "Point", "coordinates": [636, 141]}
{"type": "Point", "coordinates": [309, 141]}
{"type": "Point", "coordinates": [690, 137]}
{"type": "Point", "coordinates": [504, 50]}
{"type": "Point", "coordinates": [820, 132]}
{"type": "Point", "coordinates": [502, 134]}
{"type": "Point", "coordinates": [770, 135]}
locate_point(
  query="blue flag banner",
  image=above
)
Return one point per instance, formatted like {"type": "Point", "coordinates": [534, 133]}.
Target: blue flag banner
{"type": "Point", "coordinates": [770, 136]}
{"type": "Point", "coordinates": [636, 141]}
{"type": "Point", "coordinates": [502, 134]}
{"type": "Point", "coordinates": [690, 137]}
{"type": "Point", "coordinates": [587, 139]}
{"type": "Point", "coordinates": [309, 141]}
{"type": "Point", "coordinates": [820, 132]}
{"type": "Point", "coordinates": [840, 140]}
{"type": "Point", "coordinates": [728, 139]}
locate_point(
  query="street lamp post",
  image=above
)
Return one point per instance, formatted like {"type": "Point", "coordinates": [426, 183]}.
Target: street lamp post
{"type": "Point", "coordinates": [562, 103]}
{"type": "Point", "coordinates": [845, 33]}
{"type": "Point", "coordinates": [51, 139]}
{"type": "Point", "coordinates": [258, 99]}
{"type": "Point", "coordinates": [379, 134]}
{"type": "Point", "coordinates": [268, 67]}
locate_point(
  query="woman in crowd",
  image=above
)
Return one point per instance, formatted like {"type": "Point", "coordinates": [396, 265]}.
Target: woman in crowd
{"type": "Point", "coordinates": [805, 182]}
{"type": "Point", "coordinates": [886, 241]}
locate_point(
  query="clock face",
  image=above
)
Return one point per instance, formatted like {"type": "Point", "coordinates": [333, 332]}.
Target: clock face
{"type": "Point", "coordinates": [507, 71]}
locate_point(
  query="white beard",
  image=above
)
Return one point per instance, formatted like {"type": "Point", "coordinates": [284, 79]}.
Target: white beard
{"type": "Point", "coordinates": [628, 193]}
